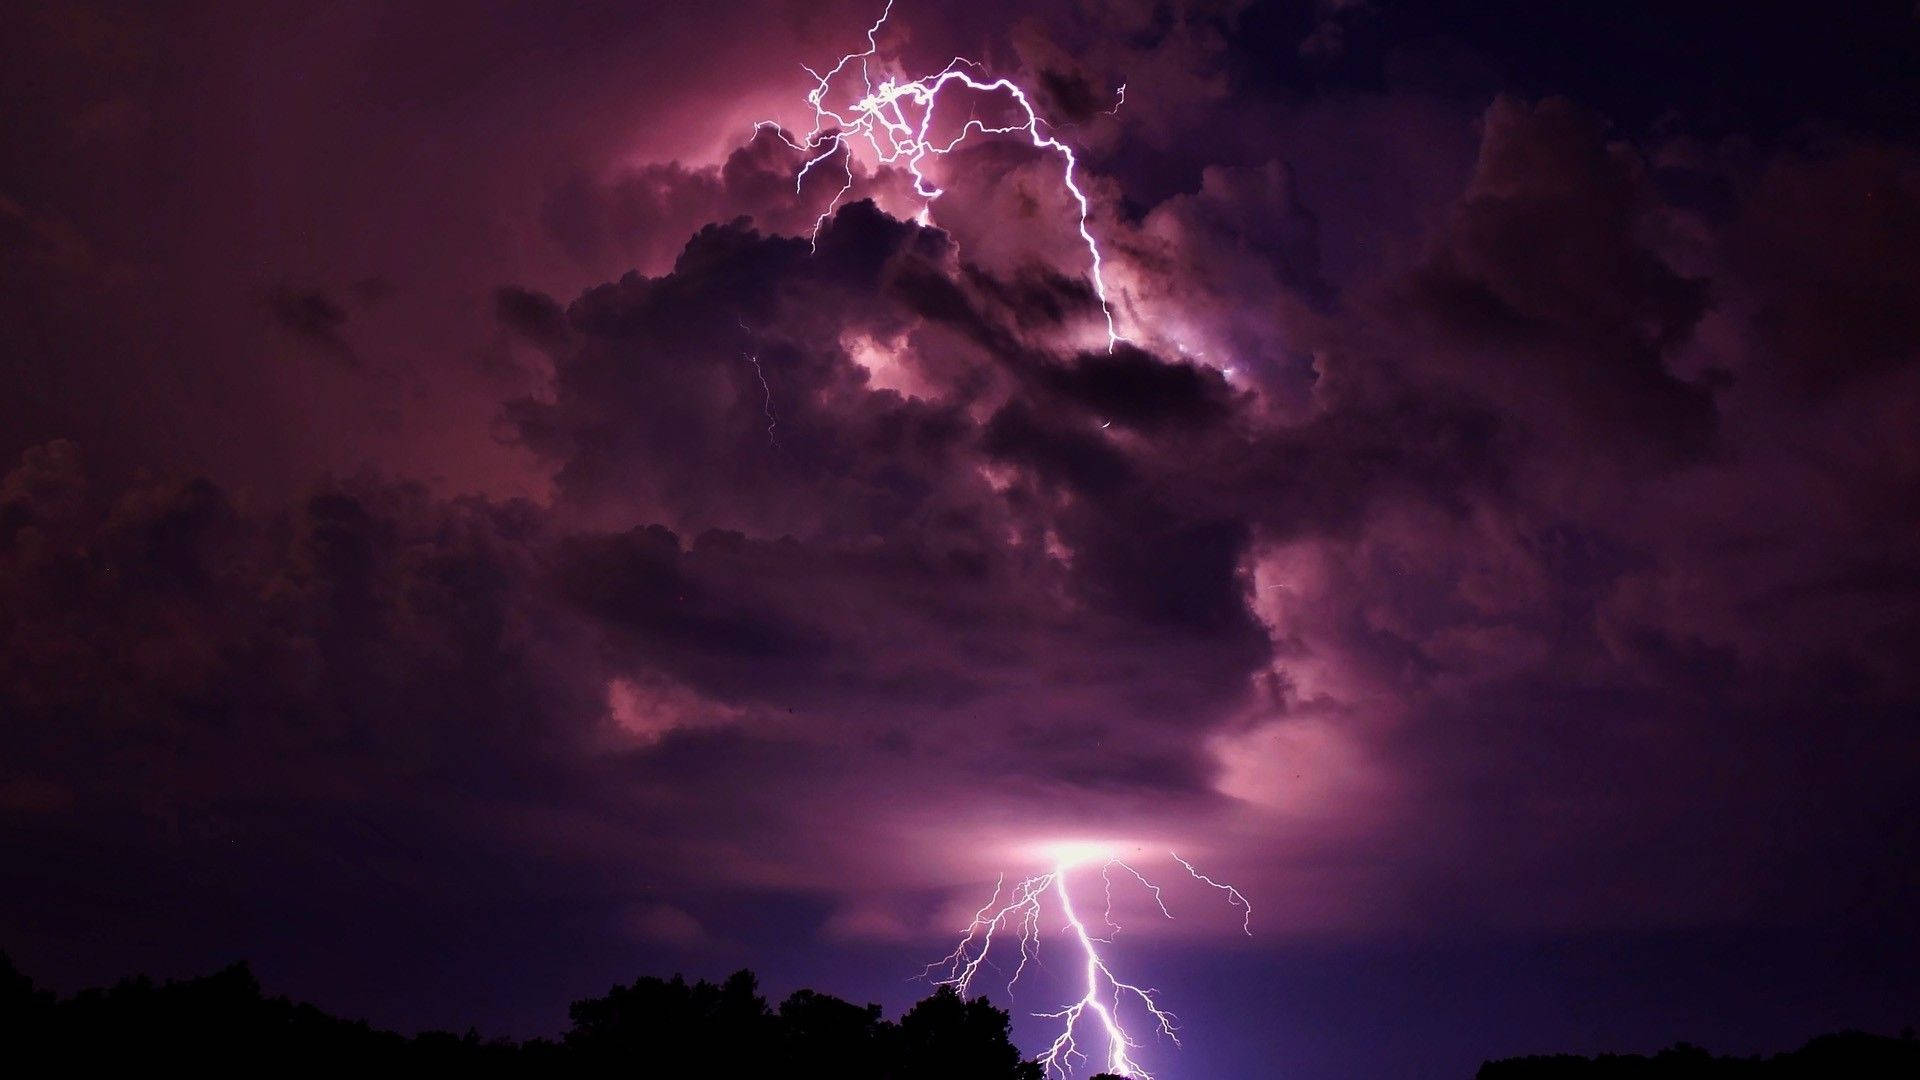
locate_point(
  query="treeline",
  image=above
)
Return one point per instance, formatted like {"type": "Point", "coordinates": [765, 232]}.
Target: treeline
{"type": "Point", "coordinates": [669, 1029]}
{"type": "Point", "coordinates": [655, 1028]}
{"type": "Point", "coordinates": [1849, 1055]}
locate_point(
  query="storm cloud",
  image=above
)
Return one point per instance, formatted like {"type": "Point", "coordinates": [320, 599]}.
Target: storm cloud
{"type": "Point", "coordinates": [1497, 517]}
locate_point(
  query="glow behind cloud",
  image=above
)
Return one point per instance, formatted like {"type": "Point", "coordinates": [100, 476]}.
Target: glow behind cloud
{"type": "Point", "coordinates": [895, 118]}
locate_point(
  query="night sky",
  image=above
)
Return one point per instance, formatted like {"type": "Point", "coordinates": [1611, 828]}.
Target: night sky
{"type": "Point", "coordinates": [464, 541]}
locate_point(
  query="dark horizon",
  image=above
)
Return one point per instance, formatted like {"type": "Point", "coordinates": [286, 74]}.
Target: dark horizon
{"type": "Point", "coordinates": [477, 526]}
{"type": "Point", "coordinates": [723, 1027]}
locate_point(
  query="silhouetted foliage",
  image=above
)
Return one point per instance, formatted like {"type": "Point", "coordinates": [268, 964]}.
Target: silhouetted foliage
{"type": "Point", "coordinates": [946, 1038]}
{"type": "Point", "coordinates": [670, 1029]}
{"type": "Point", "coordinates": [24, 1010]}
{"type": "Point", "coordinates": [1851, 1055]}
{"type": "Point", "coordinates": [676, 1026]}
{"type": "Point", "coordinates": [825, 1036]}
{"type": "Point", "coordinates": [664, 1028]}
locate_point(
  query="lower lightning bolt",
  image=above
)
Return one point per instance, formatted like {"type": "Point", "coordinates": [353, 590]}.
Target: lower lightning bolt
{"type": "Point", "coordinates": [766, 391]}
{"type": "Point", "coordinates": [895, 118]}
{"type": "Point", "coordinates": [1021, 912]}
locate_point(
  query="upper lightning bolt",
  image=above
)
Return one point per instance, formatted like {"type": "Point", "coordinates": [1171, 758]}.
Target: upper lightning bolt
{"type": "Point", "coordinates": [895, 118]}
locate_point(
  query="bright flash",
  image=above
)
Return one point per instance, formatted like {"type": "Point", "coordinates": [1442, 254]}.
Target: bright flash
{"type": "Point", "coordinates": [896, 117]}
{"type": "Point", "coordinates": [1020, 910]}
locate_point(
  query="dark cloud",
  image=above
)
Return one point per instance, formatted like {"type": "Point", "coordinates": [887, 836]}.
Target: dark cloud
{"type": "Point", "coordinates": [371, 291]}
{"type": "Point", "coordinates": [1071, 456]}
{"type": "Point", "coordinates": [873, 494]}
{"type": "Point", "coordinates": [1335, 20]}
{"type": "Point", "coordinates": [1584, 581]}
{"type": "Point", "coordinates": [639, 582]}
{"type": "Point", "coordinates": [312, 316]}
{"type": "Point", "coordinates": [1070, 96]}
{"type": "Point", "coordinates": [532, 315]}
{"type": "Point", "coordinates": [1579, 324]}
{"type": "Point", "coordinates": [1138, 390]}
{"type": "Point", "coordinates": [640, 217]}
{"type": "Point", "coordinates": [369, 621]}
{"type": "Point", "coordinates": [1821, 251]}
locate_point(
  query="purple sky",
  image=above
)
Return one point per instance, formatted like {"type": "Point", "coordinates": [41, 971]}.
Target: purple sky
{"type": "Point", "coordinates": [1493, 548]}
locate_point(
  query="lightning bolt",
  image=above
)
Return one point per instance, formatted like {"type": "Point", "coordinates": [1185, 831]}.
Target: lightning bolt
{"type": "Point", "coordinates": [895, 118]}
{"type": "Point", "coordinates": [766, 391]}
{"type": "Point", "coordinates": [1019, 911]}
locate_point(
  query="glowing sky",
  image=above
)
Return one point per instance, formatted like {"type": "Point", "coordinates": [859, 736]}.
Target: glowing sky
{"type": "Point", "coordinates": [466, 537]}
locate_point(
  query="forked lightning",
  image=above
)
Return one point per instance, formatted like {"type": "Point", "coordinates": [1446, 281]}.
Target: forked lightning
{"type": "Point", "coordinates": [896, 118]}
{"type": "Point", "coordinates": [1021, 909]}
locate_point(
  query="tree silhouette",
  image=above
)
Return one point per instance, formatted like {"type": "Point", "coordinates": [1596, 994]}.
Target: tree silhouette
{"type": "Point", "coordinates": [670, 1029]}
{"type": "Point", "coordinates": [947, 1038]}
{"type": "Point", "coordinates": [1850, 1054]}
{"type": "Point", "coordinates": [825, 1036]}
{"type": "Point", "coordinates": [24, 1010]}
{"type": "Point", "coordinates": [674, 1026]}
